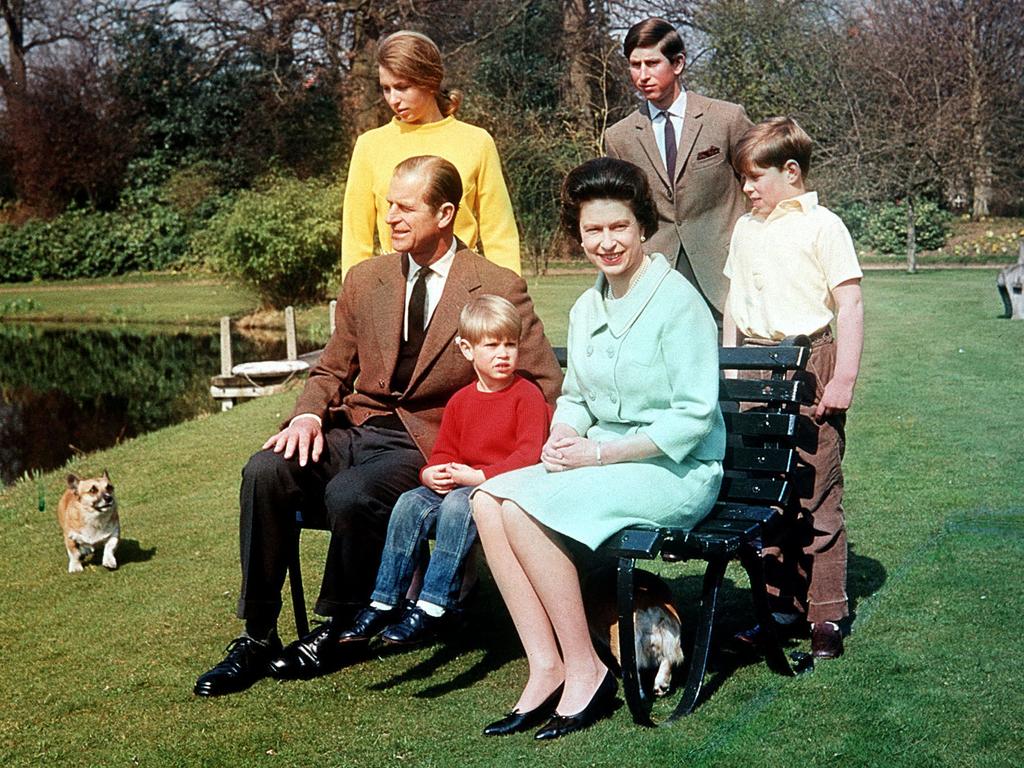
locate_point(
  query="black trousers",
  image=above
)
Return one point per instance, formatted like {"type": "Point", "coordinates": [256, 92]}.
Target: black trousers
{"type": "Point", "coordinates": [349, 491]}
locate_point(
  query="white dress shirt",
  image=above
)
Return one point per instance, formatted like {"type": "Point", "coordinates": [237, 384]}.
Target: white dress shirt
{"type": "Point", "coordinates": [678, 111]}
{"type": "Point", "coordinates": [435, 285]}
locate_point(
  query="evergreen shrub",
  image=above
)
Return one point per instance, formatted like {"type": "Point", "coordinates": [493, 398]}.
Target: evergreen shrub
{"type": "Point", "coordinates": [883, 226]}
{"type": "Point", "coordinates": [283, 239]}
{"type": "Point", "coordinates": [87, 243]}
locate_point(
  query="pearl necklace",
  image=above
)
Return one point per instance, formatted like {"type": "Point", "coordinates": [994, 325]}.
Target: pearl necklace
{"type": "Point", "coordinates": [632, 281]}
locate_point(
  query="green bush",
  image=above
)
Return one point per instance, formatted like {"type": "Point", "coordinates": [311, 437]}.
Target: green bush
{"type": "Point", "coordinates": [283, 239]}
{"type": "Point", "coordinates": [883, 226]}
{"type": "Point", "coordinates": [86, 243]}
{"type": "Point", "coordinates": [855, 216]}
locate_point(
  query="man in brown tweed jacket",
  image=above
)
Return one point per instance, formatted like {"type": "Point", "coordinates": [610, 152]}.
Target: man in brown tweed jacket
{"type": "Point", "coordinates": [363, 424]}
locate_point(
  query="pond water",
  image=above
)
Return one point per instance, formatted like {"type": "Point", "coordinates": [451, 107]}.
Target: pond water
{"type": "Point", "coordinates": [64, 389]}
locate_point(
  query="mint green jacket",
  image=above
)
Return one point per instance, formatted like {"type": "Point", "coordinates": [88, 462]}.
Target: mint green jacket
{"type": "Point", "coordinates": [646, 363]}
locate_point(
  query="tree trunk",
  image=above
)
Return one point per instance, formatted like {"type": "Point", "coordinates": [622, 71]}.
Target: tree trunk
{"type": "Point", "coordinates": [362, 95]}
{"type": "Point", "coordinates": [981, 162]}
{"type": "Point", "coordinates": [576, 87]}
{"type": "Point", "coordinates": [13, 80]}
{"type": "Point", "coordinates": [911, 237]}
{"type": "Point", "coordinates": [981, 174]}
{"type": "Point", "coordinates": [14, 83]}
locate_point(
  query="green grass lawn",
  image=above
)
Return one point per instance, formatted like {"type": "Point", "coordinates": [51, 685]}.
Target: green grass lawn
{"type": "Point", "coordinates": [160, 298]}
{"type": "Point", "coordinates": [99, 667]}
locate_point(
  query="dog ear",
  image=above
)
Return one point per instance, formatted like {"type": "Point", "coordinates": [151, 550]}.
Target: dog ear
{"type": "Point", "coordinates": [73, 483]}
{"type": "Point", "coordinates": [106, 475]}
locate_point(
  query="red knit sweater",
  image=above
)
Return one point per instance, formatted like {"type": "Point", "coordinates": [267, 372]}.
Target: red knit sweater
{"type": "Point", "coordinates": [493, 431]}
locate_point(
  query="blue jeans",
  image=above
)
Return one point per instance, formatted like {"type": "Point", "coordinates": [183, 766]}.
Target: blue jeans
{"type": "Point", "coordinates": [413, 518]}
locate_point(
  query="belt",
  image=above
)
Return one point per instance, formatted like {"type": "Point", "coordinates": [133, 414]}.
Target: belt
{"type": "Point", "coordinates": [821, 336]}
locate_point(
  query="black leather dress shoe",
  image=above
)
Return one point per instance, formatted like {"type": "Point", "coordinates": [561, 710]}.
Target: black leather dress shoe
{"type": "Point", "coordinates": [310, 656]}
{"type": "Point", "coordinates": [247, 661]}
{"type": "Point", "coordinates": [367, 625]}
{"type": "Point", "coordinates": [414, 628]}
{"type": "Point", "coordinates": [600, 706]}
{"type": "Point", "coordinates": [757, 634]}
{"type": "Point", "coordinates": [517, 722]}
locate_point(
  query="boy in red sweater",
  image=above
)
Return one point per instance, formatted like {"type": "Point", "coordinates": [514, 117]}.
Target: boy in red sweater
{"type": "Point", "coordinates": [496, 424]}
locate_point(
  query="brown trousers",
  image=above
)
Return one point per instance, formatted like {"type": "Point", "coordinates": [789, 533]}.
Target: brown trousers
{"type": "Point", "coordinates": [805, 564]}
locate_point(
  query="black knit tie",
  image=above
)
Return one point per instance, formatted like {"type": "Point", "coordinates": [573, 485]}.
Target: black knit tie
{"type": "Point", "coordinates": [417, 310]}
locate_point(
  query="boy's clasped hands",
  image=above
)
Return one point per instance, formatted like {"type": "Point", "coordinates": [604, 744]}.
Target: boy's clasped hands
{"type": "Point", "coordinates": [442, 478]}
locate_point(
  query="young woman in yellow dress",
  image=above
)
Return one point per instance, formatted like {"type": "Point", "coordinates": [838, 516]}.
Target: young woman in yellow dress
{"type": "Point", "coordinates": [411, 72]}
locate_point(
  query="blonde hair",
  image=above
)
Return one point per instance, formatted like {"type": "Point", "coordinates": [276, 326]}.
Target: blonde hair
{"type": "Point", "coordinates": [415, 57]}
{"type": "Point", "coordinates": [771, 144]}
{"type": "Point", "coordinates": [489, 316]}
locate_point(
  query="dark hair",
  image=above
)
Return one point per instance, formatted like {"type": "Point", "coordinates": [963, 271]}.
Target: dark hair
{"type": "Point", "coordinates": [441, 181]}
{"type": "Point", "coordinates": [416, 58]}
{"type": "Point", "coordinates": [770, 144]}
{"type": "Point", "coordinates": [651, 33]}
{"type": "Point", "coordinates": [607, 179]}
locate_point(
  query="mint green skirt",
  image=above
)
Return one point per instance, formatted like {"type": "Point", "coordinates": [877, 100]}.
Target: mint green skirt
{"type": "Point", "coordinates": [590, 504]}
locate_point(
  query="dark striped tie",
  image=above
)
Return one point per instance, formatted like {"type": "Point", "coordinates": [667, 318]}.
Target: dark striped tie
{"type": "Point", "coordinates": [670, 147]}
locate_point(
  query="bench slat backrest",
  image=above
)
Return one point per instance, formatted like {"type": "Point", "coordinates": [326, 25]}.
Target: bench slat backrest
{"type": "Point", "coordinates": [789, 355]}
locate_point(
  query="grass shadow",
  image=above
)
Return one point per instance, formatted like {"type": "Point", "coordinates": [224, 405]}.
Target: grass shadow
{"type": "Point", "coordinates": [865, 576]}
{"type": "Point", "coordinates": [487, 627]}
{"type": "Point", "coordinates": [130, 551]}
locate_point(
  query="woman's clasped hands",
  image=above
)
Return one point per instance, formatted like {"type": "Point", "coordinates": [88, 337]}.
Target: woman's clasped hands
{"type": "Point", "coordinates": [565, 449]}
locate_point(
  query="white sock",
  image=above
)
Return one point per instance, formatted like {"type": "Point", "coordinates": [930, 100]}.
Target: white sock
{"type": "Point", "coordinates": [380, 606]}
{"type": "Point", "coordinates": [430, 609]}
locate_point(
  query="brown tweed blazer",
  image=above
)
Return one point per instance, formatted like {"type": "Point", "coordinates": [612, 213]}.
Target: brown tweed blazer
{"type": "Point", "coordinates": [698, 208]}
{"type": "Point", "coordinates": [350, 381]}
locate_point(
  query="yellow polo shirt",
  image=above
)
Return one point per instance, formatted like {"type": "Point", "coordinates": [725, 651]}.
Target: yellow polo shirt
{"type": "Point", "coordinates": [485, 212]}
{"type": "Point", "coordinates": [782, 268]}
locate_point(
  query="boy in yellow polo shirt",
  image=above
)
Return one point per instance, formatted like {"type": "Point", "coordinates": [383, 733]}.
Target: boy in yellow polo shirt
{"type": "Point", "coordinates": [793, 270]}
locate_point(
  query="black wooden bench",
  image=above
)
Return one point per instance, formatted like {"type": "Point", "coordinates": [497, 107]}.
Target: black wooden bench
{"type": "Point", "coordinates": [759, 463]}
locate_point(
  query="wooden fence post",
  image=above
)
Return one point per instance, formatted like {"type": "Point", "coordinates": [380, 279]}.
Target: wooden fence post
{"type": "Point", "coordinates": [225, 346]}
{"type": "Point", "coordinates": [289, 330]}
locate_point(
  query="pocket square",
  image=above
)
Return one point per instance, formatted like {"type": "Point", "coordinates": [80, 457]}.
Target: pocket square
{"type": "Point", "coordinates": [711, 151]}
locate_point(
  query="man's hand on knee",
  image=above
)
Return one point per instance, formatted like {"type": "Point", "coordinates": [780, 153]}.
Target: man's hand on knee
{"type": "Point", "coordinates": [303, 434]}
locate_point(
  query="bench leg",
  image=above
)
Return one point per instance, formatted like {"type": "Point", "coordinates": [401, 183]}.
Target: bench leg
{"type": "Point", "coordinates": [627, 644]}
{"type": "Point", "coordinates": [774, 655]}
{"type": "Point", "coordinates": [298, 595]}
{"type": "Point", "coordinates": [702, 639]}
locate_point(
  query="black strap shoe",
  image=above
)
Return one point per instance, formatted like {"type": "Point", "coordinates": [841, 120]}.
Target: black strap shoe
{"type": "Point", "coordinates": [517, 722]}
{"type": "Point", "coordinates": [367, 625]}
{"type": "Point", "coordinates": [310, 656]}
{"type": "Point", "coordinates": [416, 627]}
{"type": "Point", "coordinates": [601, 705]}
{"type": "Point", "coordinates": [247, 661]}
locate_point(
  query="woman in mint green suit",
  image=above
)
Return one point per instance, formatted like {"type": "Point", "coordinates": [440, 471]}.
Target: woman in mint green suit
{"type": "Point", "coordinates": [637, 437]}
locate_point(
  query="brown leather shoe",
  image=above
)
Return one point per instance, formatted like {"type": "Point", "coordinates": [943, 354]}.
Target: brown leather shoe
{"type": "Point", "coordinates": [826, 640]}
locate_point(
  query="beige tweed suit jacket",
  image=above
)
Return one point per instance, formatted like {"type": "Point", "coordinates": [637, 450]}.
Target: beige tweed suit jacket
{"type": "Point", "coordinates": [698, 208]}
{"type": "Point", "coordinates": [351, 380]}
